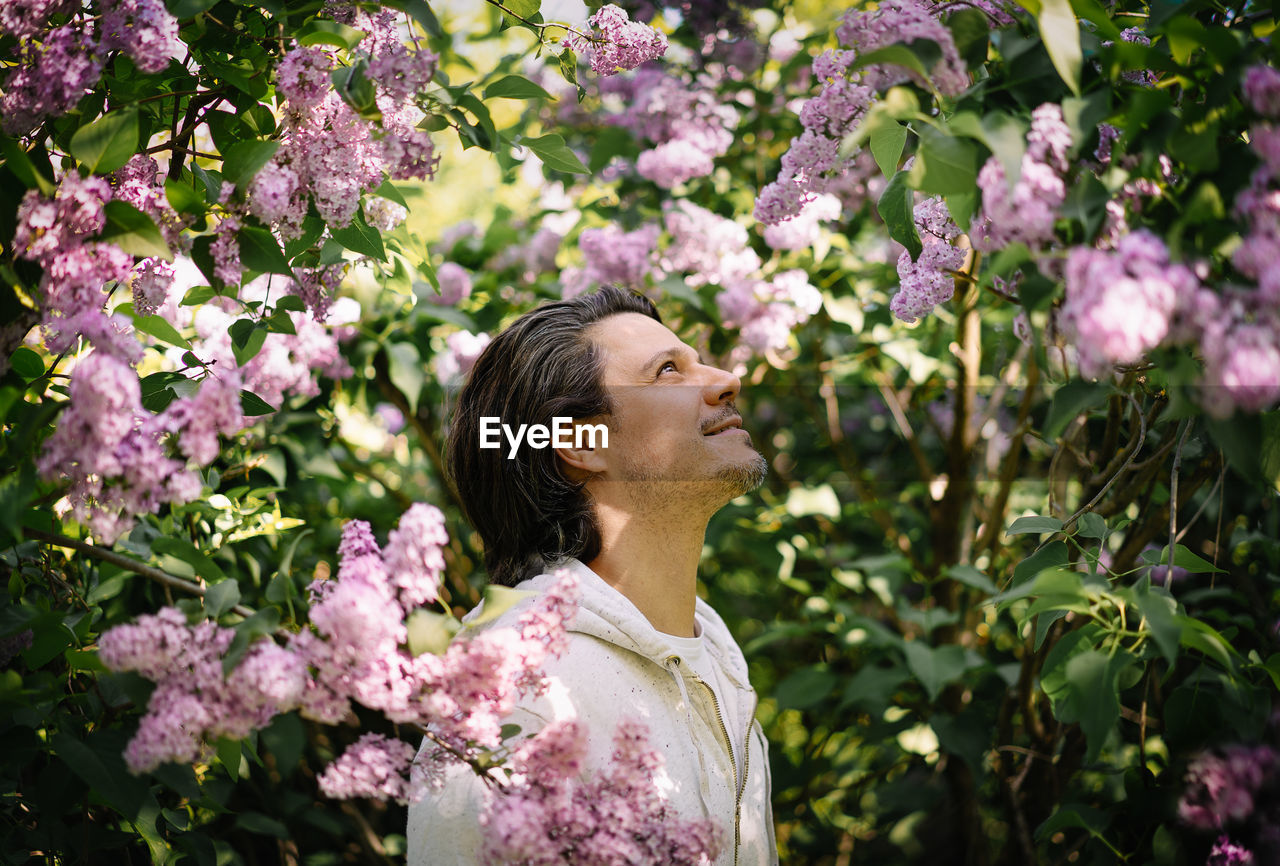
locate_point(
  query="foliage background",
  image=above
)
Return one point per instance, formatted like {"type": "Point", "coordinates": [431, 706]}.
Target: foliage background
{"type": "Point", "coordinates": [912, 717]}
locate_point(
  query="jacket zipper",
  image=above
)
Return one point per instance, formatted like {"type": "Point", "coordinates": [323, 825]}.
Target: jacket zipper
{"type": "Point", "coordinates": [739, 781]}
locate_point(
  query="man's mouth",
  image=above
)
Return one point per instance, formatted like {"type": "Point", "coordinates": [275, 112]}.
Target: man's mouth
{"type": "Point", "coordinates": [733, 422]}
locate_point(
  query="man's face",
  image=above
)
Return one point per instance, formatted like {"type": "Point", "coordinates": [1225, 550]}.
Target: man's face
{"type": "Point", "coordinates": [673, 417]}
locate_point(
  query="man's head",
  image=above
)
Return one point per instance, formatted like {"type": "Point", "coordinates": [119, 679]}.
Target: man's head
{"type": "Point", "coordinates": [600, 358]}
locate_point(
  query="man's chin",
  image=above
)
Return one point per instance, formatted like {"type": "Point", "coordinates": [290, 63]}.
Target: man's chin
{"type": "Point", "coordinates": [743, 477]}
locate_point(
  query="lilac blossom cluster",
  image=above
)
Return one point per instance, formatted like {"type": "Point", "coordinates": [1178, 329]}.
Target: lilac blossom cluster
{"type": "Point", "coordinates": [462, 350]}
{"type": "Point", "coordinates": [621, 43]}
{"type": "Point", "coordinates": [552, 815]}
{"type": "Point", "coordinates": [687, 123]}
{"type": "Point", "coordinates": [1027, 212]}
{"type": "Point", "coordinates": [614, 255]}
{"type": "Point", "coordinates": [58, 233]}
{"type": "Point", "coordinates": [328, 154]}
{"type": "Point", "coordinates": [812, 160]}
{"type": "Point", "coordinates": [193, 701]}
{"type": "Point", "coordinates": [58, 66]}
{"type": "Point", "coordinates": [1232, 791]}
{"type": "Point", "coordinates": [929, 280]}
{"type": "Point", "coordinates": [803, 230]}
{"type": "Point", "coordinates": [112, 452]}
{"type": "Point", "coordinates": [712, 250]}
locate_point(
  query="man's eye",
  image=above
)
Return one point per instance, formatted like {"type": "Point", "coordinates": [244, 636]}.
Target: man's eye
{"type": "Point", "coordinates": [669, 365]}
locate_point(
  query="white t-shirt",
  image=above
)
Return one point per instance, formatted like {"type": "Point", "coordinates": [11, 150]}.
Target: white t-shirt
{"type": "Point", "coordinates": [693, 654]}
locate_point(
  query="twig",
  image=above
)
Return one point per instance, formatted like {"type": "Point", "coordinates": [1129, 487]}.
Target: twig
{"type": "Point", "coordinates": [543, 26]}
{"type": "Point", "coordinates": [1173, 499]}
{"type": "Point", "coordinates": [127, 563]}
{"type": "Point", "coordinates": [1142, 438]}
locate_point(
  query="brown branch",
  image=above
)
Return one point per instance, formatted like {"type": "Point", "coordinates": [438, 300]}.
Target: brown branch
{"type": "Point", "coordinates": [127, 563]}
{"type": "Point", "coordinates": [1142, 438]}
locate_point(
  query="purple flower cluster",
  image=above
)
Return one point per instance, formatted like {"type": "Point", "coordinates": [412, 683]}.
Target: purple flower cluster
{"type": "Point", "coordinates": [112, 451]}
{"type": "Point", "coordinates": [1027, 213]}
{"type": "Point", "coordinates": [193, 701]}
{"type": "Point", "coordinates": [455, 285]}
{"type": "Point", "coordinates": [52, 75]}
{"type": "Point", "coordinates": [904, 21]}
{"type": "Point", "coordinates": [802, 231]}
{"type": "Point", "coordinates": [462, 349]}
{"type": "Point", "coordinates": [143, 29]}
{"type": "Point", "coordinates": [1232, 791]}
{"type": "Point", "coordinates": [331, 156]}
{"type": "Point", "coordinates": [613, 255]}
{"type": "Point", "coordinates": [930, 279]}
{"type": "Point", "coordinates": [374, 766]}
{"type": "Point", "coordinates": [24, 20]}
{"type": "Point", "coordinates": [1262, 90]}
{"type": "Point", "coordinates": [687, 123]}
{"type": "Point", "coordinates": [1121, 304]}
{"type": "Point", "coordinates": [621, 44]}
{"type": "Point", "coordinates": [551, 815]}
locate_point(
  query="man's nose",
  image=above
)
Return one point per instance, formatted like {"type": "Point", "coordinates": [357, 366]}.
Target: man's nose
{"type": "Point", "coordinates": [722, 386]}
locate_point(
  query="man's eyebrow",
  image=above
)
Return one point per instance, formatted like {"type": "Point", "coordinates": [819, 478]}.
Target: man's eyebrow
{"type": "Point", "coordinates": [667, 354]}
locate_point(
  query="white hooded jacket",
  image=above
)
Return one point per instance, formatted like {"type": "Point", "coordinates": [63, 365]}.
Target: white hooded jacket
{"type": "Point", "coordinates": [618, 666]}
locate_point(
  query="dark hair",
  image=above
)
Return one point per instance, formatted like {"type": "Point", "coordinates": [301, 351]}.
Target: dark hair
{"type": "Point", "coordinates": [527, 511]}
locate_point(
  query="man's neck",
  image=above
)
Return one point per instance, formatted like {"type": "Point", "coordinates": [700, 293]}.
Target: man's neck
{"type": "Point", "coordinates": [654, 563]}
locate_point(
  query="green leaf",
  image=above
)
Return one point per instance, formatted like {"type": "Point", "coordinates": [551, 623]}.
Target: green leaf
{"type": "Point", "coordinates": [244, 158]}
{"type": "Point", "coordinates": [108, 142]}
{"type": "Point", "coordinates": [408, 372]}
{"type": "Point", "coordinates": [1160, 610]}
{"type": "Point", "coordinates": [321, 31]}
{"type": "Point", "coordinates": [515, 87]}
{"type": "Point", "coordinates": [553, 152]}
{"type": "Point", "coordinates": [360, 237]}
{"type": "Point", "coordinates": [970, 576]}
{"type": "Point", "coordinates": [26, 363]}
{"type": "Point", "coordinates": [897, 210]}
{"type": "Point", "coordinates": [388, 190]}
{"type": "Point", "coordinates": [944, 163]}
{"type": "Point", "coordinates": [264, 825]}
{"type": "Point", "coordinates": [1069, 402]}
{"type": "Point", "coordinates": [430, 632]}
{"type": "Point", "coordinates": [248, 350]}
{"type": "Point", "coordinates": [183, 197]}
{"type": "Point", "coordinates": [159, 327]}
{"type": "Point", "coordinates": [201, 563]}
{"type": "Point", "coordinates": [104, 770]}
{"type": "Point", "coordinates": [568, 62]}
{"type": "Point", "coordinates": [259, 251]}
{"type": "Point", "coordinates": [526, 9]}
{"type": "Point", "coordinates": [887, 141]}
{"type": "Point", "coordinates": [497, 600]}
{"type": "Point", "coordinates": [970, 30]}
{"type": "Point", "coordinates": [1240, 439]}
{"type": "Point", "coordinates": [1090, 694]}
{"type": "Point", "coordinates": [133, 231]}
{"type": "Point", "coordinates": [1061, 35]}
{"type": "Point", "coordinates": [420, 12]}
{"type": "Point", "coordinates": [1091, 525]}
{"type": "Point", "coordinates": [252, 405]}
{"type": "Point", "coordinates": [285, 738]}
{"type": "Point", "coordinates": [1182, 558]}
{"type": "Point", "coordinates": [1092, 11]}
{"type": "Point", "coordinates": [221, 597]}
{"type": "Point", "coordinates": [1086, 203]}
{"type": "Point", "coordinates": [19, 162]}
{"type": "Point", "coordinates": [896, 55]}
{"type": "Point", "coordinates": [1034, 524]}
{"type": "Point", "coordinates": [935, 667]}
{"type": "Point", "coordinates": [805, 688]}
{"type": "Point", "coordinates": [1201, 636]}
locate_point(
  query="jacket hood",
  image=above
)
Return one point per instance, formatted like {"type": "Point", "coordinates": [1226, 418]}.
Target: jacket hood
{"type": "Point", "coordinates": [608, 615]}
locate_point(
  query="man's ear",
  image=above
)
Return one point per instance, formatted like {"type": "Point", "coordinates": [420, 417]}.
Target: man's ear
{"type": "Point", "coordinates": [586, 457]}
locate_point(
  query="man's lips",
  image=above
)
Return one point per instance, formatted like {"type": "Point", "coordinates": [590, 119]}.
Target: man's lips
{"type": "Point", "coordinates": [733, 422]}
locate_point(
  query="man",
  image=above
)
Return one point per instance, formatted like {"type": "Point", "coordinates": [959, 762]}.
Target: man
{"type": "Point", "coordinates": [629, 518]}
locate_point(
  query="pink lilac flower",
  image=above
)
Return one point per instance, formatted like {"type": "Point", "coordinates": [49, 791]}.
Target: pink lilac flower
{"type": "Point", "coordinates": [401, 73]}
{"type": "Point", "coordinates": [302, 76]}
{"type": "Point", "coordinates": [929, 280]}
{"type": "Point", "coordinates": [904, 21]}
{"type": "Point", "coordinates": [1222, 785]}
{"type": "Point", "coordinates": [1120, 305]}
{"type": "Point", "coordinates": [317, 287]}
{"type": "Point", "coordinates": [375, 766]}
{"type": "Point", "coordinates": [24, 20]}
{"type": "Point", "coordinates": [455, 285]}
{"type": "Point", "coordinates": [151, 281]}
{"type": "Point", "coordinates": [143, 29]}
{"type": "Point", "coordinates": [384, 214]}
{"type": "Point", "coordinates": [273, 192]}
{"type": "Point", "coordinates": [462, 349]}
{"type": "Point", "coordinates": [414, 555]}
{"type": "Point", "coordinates": [1026, 214]}
{"type": "Point", "coordinates": [225, 250]}
{"type": "Point", "coordinates": [707, 247]}
{"type": "Point", "coordinates": [1262, 90]}
{"type": "Point", "coordinates": [615, 816]}
{"type": "Point", "coordinates": [623, 43]}
{"type": "Point", "coordinates": [802, 231]}
{"type": "Point", "coordinates": [765, 312]}
{"type": "Point", "coordinates": [1228, 853]}
{"type": "Point", "coordinates": [212, 411]}
{"type": "Point", "coordinates": [50, 78]}
{"type": "Point", "coordinates": [616, 256]}
{"type": "Point", "coordinates": [1241, 360]}
{"type": "Point", "coordinates": [194, 701]}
